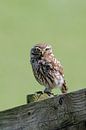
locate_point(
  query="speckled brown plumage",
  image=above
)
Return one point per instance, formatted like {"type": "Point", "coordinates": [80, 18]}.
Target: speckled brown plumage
{"type": "Point", "coordinates": [47, 70]}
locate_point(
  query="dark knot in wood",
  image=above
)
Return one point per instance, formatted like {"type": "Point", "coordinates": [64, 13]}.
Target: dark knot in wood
{"type": "Point", "coordinates": [61, 100]}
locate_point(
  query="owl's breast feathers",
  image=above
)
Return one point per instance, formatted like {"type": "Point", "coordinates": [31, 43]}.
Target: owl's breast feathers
{"type": "Point", "coordinates": [54, 64]}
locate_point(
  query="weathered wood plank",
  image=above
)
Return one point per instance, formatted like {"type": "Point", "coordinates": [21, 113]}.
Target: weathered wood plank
{"type": "Point", "coordinates": [51, 114]}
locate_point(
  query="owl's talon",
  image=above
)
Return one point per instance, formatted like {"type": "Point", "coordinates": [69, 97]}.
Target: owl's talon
{"type": "Point", "coordinates": [39, 92]}
{"type": "Point", "coordinates": [49, 93]}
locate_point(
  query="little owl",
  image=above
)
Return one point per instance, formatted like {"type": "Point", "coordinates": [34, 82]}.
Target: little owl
{"type": "Point", "coordinates": [47, 70]}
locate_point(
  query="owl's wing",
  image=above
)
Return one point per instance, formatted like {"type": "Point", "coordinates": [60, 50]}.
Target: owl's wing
{"type": "Point", "coordinates": [58, 67]}
{"type": "Point", "coordinates": [55, 65]}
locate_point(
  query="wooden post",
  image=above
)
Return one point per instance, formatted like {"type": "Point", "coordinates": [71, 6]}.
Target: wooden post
{"type": "Point", "coordinates": [63, 112]}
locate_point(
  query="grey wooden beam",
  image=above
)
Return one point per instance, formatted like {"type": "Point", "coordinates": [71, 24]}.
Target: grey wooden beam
{"type": "Point", "coordinates": [63, 112]}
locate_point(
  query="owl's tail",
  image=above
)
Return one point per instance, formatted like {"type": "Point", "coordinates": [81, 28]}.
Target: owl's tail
{"type": "Point", "coordinates": [64, 87]}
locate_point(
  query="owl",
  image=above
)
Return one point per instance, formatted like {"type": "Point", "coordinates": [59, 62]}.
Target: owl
{"type": "Point", "coordinates": [47, 70]}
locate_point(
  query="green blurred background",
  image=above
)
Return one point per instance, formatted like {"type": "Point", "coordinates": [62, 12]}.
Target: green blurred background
{"type": "Point", "coordinates": [62, 23]}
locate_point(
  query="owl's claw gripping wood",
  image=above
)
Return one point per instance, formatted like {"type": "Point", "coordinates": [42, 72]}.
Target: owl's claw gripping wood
{"type": "Point", "coordinates": [49, 94]}
{"type": "Point", "coordinates": [48, 91]}
{"type": "Point", "coordinates": [47, 70]}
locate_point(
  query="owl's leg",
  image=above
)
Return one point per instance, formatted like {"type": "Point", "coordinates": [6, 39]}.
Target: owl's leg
{"type": "Point", "coordinates": [48, 91]}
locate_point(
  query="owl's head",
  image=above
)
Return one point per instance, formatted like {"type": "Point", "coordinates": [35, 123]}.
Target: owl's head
{"type": "Point", "coordinates": [39, 50]}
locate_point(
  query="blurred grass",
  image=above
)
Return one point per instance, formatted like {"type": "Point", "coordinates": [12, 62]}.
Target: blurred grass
{"type": "Point", "coordinates": [23, 23]}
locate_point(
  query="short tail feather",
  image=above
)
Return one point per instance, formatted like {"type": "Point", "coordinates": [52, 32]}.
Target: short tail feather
{"type": "Point", "coordinates": [64, 88]}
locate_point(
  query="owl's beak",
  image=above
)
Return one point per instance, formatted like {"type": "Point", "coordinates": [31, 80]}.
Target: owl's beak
{"type": "Point", "coordinates": [42, 52]}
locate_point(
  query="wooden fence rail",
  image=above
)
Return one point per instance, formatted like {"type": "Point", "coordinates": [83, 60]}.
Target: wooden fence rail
{"type": "Point", "coordinates": [63, 112]}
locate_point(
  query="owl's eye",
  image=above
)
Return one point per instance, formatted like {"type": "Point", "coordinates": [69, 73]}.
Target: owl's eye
{"type": "Point", "coordinates": [37, 49]}
{"type": "Point", "coordinates": [48, 49]}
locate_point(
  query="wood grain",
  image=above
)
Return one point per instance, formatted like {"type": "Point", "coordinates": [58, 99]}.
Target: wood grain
{"type": "Point", "coordinates": [63, 112]}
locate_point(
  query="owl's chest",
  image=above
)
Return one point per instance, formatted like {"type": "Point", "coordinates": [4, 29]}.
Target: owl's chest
{"type": "Point", "coordinates": [36, 66]}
